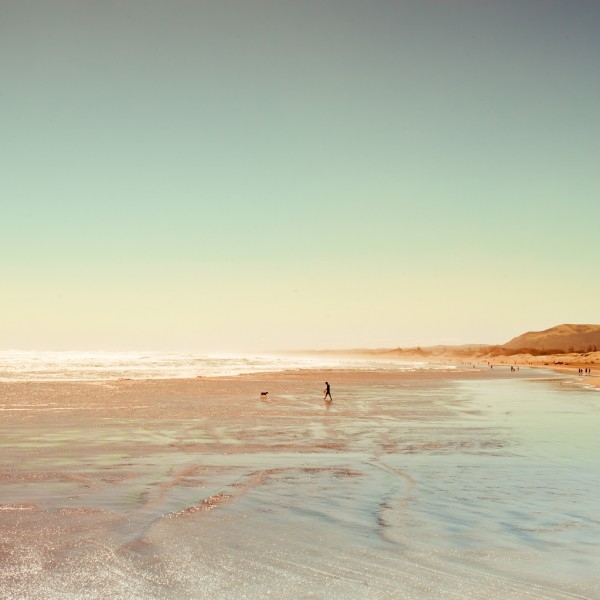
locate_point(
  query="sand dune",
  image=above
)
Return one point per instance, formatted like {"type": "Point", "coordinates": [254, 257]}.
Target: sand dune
{"type": "Point", "coordinates": [568, 338]}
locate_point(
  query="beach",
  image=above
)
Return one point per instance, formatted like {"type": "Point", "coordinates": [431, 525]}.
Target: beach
{"type": "Point", "coordinates": [458, 482]}
{"type": "Point", "coordinates": [586, 365]}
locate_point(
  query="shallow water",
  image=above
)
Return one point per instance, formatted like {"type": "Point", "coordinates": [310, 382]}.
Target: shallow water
{"type": "Point", "coordinates": [420, 488]}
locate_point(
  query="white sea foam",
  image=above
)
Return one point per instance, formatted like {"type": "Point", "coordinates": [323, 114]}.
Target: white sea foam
{"type": "Point", "coordinates": [19, 365]}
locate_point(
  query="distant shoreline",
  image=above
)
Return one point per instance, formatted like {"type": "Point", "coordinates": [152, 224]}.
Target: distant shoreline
{"type": "Point", "coordinates": [564, 363]}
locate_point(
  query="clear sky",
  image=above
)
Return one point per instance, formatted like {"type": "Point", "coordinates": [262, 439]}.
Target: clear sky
{"type": "Point", "coordinates": [259, 175]}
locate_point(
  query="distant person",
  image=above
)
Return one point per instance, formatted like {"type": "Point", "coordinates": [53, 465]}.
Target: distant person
{"type": "Point", "coordinates": [328, 392]}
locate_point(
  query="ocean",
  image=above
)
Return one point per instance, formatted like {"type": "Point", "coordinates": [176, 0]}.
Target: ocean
{"type": "Point", "coordinates": [18, 365]}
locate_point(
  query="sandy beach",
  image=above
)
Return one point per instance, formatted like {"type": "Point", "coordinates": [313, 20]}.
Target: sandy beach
{"type": "Point", "coordinates": [405, 486]}
{"type": "Point", "coordinates": [585, 366]}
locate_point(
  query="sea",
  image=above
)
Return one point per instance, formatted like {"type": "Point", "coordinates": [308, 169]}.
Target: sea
{"type": "Point", "coordinates": [22, 365]}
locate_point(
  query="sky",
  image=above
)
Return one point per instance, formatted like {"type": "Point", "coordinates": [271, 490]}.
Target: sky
{"type": "Point", "coordinates": [254, 175]}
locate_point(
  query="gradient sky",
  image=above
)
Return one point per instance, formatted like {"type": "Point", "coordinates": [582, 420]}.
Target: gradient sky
{"type": "Point", "coordinates": [260, 175]}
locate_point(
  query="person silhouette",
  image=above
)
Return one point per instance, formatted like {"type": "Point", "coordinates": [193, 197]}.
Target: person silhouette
{"type": "Point", "coordinates": [328, 392]}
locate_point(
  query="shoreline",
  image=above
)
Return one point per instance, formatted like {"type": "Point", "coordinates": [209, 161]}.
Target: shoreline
{"type": "Point", "coordinates": [446, 366]}
{"type": "Point", "coordinates": [552, 363]}
{"type": "Point", "coordinates": [582, 368]}
{"type": "Point", "coordinates": [564, 364]}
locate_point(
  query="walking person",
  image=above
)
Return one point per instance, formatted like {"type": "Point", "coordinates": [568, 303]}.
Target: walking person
{"type": "Point", "coordinates": [328, 392]}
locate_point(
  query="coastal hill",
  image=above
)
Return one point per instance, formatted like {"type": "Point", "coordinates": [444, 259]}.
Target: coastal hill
{"type": "Point", "coordinates": [562, 338]}
{"type": "Point", "coordinates": [562, 344]}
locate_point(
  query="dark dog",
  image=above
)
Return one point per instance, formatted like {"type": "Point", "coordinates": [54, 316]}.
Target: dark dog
{"type": "Point", "coordinates": [263, 394]}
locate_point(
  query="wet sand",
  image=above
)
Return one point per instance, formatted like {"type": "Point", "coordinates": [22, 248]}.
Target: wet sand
{"type": "Point", "coordinates": [202, 488]}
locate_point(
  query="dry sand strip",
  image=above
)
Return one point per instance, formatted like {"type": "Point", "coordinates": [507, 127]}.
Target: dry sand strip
{"type": "Point", "coordinates": [566, 364]}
